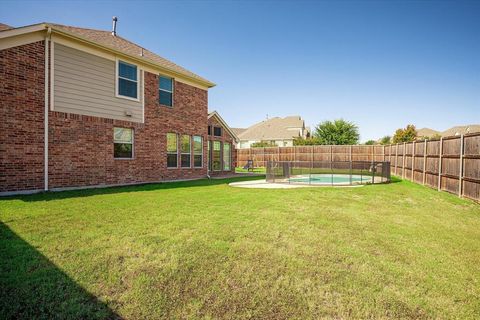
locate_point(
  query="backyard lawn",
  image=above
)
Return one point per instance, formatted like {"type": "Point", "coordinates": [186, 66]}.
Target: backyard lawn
{"type": "Point", "coordinates": [203, 249]}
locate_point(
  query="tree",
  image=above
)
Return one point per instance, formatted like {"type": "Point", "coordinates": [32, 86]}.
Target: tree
{"type": "Point", "coordinates": [408, 134]}
{"type": "Point", "coordinates": [386, 140]}
{"type": "Point", "coordinates": [337, 132]}
{"type": "Point", "coordinates": [370, 142]}
{"type": "Point", "coordinates": [262, 144]}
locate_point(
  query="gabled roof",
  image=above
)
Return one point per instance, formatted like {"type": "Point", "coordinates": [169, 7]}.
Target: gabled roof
{"type": "Point", "coordinates": [115, 43]}
{"type": "Point", "coordinates": [427, 132]}
{"type": "Point", "coordinates": [239, 130]}
{"type": "Point", "coordinates": [224, 124]}
{"type": "Point", "coordinates": [4, 27]}
{"type": "Point", "coordinates": [453, 131]}
{"type": "Point", "coordinates": [274, 128]}
{"type": "Point", "coordinates": [458, 130]}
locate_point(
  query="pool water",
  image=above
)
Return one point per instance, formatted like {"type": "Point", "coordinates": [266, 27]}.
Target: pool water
{"type": "Point", "coordinates": [330, 179]}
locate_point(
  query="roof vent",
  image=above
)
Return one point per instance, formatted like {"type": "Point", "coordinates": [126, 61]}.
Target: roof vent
{"type": "Point", "coordinates": [114, 26]}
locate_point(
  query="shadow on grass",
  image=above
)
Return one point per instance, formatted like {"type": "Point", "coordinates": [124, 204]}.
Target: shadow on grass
{"type": "Point", "coordinates": [32, 287]}
{"type": "Point", "coordinates": [394, 179]}
{"type": "Point", "coordinates": [49, 196]}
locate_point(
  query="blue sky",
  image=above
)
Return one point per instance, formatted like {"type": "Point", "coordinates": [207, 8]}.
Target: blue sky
{"type": "Point", "coordinates": [380, 64]}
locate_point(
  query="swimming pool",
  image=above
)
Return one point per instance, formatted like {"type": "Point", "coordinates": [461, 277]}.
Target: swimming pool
{"type": "Point", "coordinates": [329, 179]}
{"type": "Point", "coordinates": [328, 173]}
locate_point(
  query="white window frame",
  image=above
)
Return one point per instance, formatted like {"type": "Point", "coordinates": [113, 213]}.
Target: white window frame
{"type": "Point", "coordinates": [176, 152]}
{"type": "Point", "coordinates": [197, 154]}
{"type": "Point", "coordinates": [160, 89]}
{"type": "Point", "coordinates": [123, 142]}
{"type": "Point", "coordinates": [189, 153]}
{"type": "Point", "coordinates": [117, 80]}
{"type": "Point", "coordinates": [229, 157]}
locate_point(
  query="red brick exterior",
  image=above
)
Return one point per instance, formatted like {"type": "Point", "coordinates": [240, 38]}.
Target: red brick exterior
{"type": "Point", "coordinates": [22, 117]}
{"type": "Point", "coordinates": [226, 137]}
{"type": "Point", "coordinates": [81, 147]}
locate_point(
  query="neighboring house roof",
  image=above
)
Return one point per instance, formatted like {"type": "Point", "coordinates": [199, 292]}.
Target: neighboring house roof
{"type": "Point", "coordinates": [457, 130]}
{"type": "Point", "coordinates": [453, 131]}
{"type": "Point", "coordinates": [5, 27]}
{"type": "Point", "coordinates": [116, 43]}
{"type": "Point", "coordinates": [239, 130]}
{"type": "Point", "coordinates": [274, 128]}
{"type": "Point", "coordinates": [427, 132]}
{"type": "Point", "coordinates": [224, 124]}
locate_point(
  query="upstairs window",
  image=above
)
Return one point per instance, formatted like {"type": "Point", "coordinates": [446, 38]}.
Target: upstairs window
{"type": "Point", "coordinates": [165, 91]}
{"type": "Point", "coordinates": [185, 150]}
{"type": "Point", "coordinates": [127, 82]}
{"type": "Point", "coordinates": [122, 143]}
{"type": "Point", "coordinates": [217, 131]}
{"type": "Point", "coordinates": [172, 148]}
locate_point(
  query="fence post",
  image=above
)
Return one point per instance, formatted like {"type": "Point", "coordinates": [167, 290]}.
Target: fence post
{"type": "Point", "coordinates": [350, 153]}
{"type": "Point", "coordinates": [460, 173]}
{"type": "Point", "coordinates": [373, 153]}
{"type": "Point", "coordinates": [440, 165]}
{"type": "Point", "coordinates": [331, 157]}
{"type": "Point", "coordinates": [396, 158]}
{"type": "Point", "coordinates": [424, 161]}
{"type": "Point", "coordinates": [413, 161]}
{"type": "Point", "coordinates": [403, 159]}
{"type": "Point", "coordinates": [383, 153]}
{"type": "Point", "coordinates": [313, 150]}
{"type": "Point", "coordinates": [294, 153]}
{"type": "Point", "coordinates": [278, 153]}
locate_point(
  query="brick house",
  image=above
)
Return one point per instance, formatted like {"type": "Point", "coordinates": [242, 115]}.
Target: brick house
{"type": "Point", "coordinates": [82, 107]}
{"type": "Point", "coordinates": [221, 153]}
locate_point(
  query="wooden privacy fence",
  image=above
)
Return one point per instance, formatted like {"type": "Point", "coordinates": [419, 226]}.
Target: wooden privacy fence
{"type": "Point", "coordinates": [450, 164]}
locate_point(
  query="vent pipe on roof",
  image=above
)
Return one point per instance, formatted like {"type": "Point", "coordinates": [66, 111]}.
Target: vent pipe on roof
{"type": "Point", "coordinates": [114, 26]}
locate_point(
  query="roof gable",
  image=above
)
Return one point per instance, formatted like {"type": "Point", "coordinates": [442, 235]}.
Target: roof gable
{"type": "Point", "coordinates": [274, 128]}
{"type": "Point", "coordinates": [217, 116]}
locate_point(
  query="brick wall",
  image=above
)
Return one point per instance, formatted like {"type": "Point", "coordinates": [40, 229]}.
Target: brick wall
{"type": "Point", "coordinates": [81, 147]}
{"type": "Point", "coordinates": [22, 117]}
{"type": "Point", "coordinates": [226, 137]}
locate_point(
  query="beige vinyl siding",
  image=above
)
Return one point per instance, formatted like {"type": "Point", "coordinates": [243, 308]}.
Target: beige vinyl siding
{"type": "Point", "coordinates": [85, 84]}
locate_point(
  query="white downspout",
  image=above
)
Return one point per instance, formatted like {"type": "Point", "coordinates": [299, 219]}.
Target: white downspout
{"type": "Point", "coordinates": [45, 160]}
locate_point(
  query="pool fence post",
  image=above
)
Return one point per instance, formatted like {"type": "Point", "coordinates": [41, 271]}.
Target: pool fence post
{"type": "Point", "coordinates": [373, 174]}
{"type": "Point", "coordinates": [424, 161]}
{"type": "Point", "coordinates": [351, 173]}
{"type": "Point", "coordinates": [439, 187]}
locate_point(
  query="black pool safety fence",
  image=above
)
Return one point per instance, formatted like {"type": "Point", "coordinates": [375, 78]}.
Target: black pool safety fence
{"type": "Point", "coordinates": [333, 173]}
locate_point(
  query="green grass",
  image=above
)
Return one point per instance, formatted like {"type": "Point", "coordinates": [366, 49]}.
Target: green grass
{"type": "Point", "coordinates": [203, 249]}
